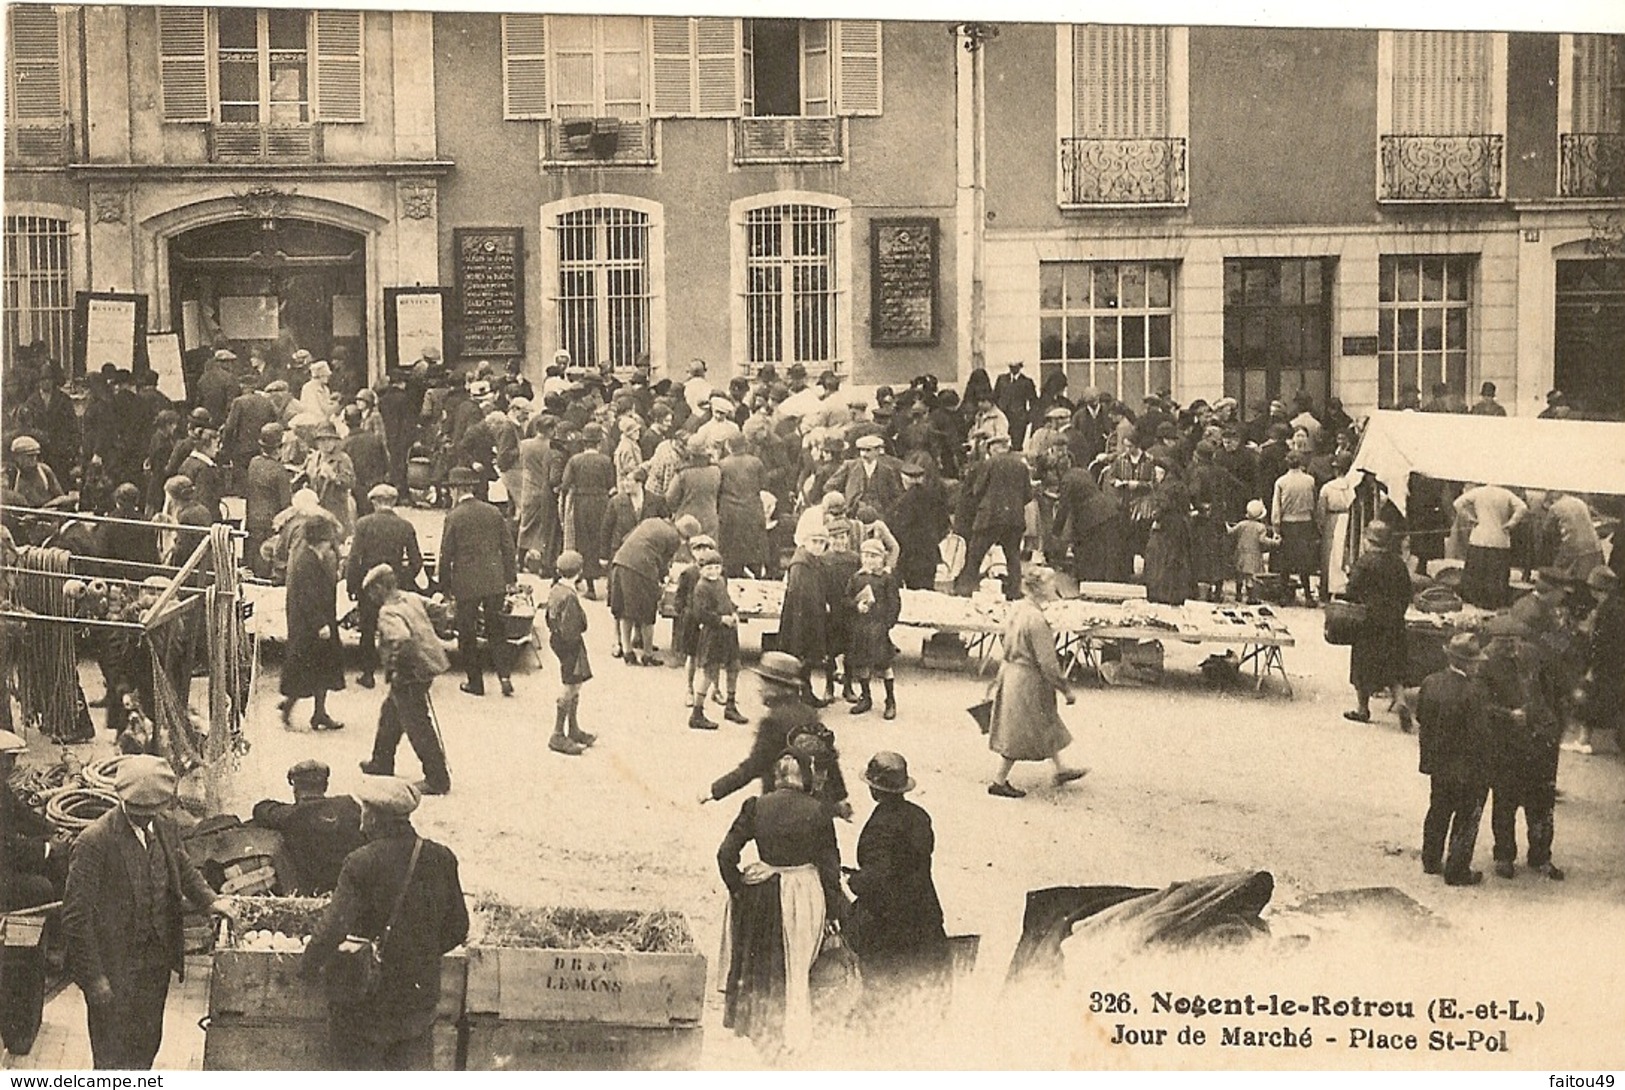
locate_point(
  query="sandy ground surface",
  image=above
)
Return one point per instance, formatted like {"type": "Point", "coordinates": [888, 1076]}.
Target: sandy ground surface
{"type": "Point", "coordinates": [1185, 782]}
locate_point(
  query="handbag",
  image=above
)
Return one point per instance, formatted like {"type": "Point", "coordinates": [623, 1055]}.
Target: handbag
{"type": "Point", "coordinates": [835, 980]}
{"type": "Point", "coordinates": [357, 969]}
{"type": "Point", "coordinates": [1344, 621]}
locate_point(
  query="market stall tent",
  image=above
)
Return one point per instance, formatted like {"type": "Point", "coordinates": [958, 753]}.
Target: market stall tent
{"type": "Point", "coordinates": [1581, 456]}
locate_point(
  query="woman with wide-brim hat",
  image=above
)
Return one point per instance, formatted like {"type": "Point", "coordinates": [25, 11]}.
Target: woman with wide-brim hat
{"type": "Point", "coordinates": [1379, 581]}
{"type": "Point", "coordinates": [895, 926]}
{"type": "Point", "coordinates": [1026, 724]}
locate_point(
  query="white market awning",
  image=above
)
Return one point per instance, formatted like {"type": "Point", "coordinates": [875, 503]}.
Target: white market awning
{"type": "Point", "coordinates": [1583, 456]}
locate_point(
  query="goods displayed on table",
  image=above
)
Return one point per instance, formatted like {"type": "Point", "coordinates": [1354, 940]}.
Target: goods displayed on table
{"type": "Point", "coordinates": [1468, 618]}
{"type": "Point", "coordinates": [281, 925]}
{"type": "Point", "coordinates": [498, 923]}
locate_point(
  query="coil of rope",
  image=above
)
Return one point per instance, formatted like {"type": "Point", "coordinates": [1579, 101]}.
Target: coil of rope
{"type": "Point", "coordinates": [103, 774]}
{"type": "Point", "coordinates": [72, 810]}
{"type": "Point", "coordinates": [47, 662]}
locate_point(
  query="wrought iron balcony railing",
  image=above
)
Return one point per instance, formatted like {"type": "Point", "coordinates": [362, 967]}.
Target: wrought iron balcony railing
{"type": "Point", "coordinates": [599, 141]}
{"type": "Point", "coordinates": [1442, 168]}
{"type": "Point", "coordinates": [250, 142]}
{"type": "Point", "coordinates": [1592, 164]}
{"type": "Point", "coordinates": [1112, 171]}
{"type": "Point", "coordinates": [38, 144]}
{"type": "Point", "coordinates": [787, 140]}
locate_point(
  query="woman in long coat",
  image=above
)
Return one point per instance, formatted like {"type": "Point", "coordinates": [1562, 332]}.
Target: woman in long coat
{"type": "Point", "coordinates": [588, 479]}
{"type": "Point", "coordinates": [1026, 724]}
{"type": "Point", "coordinates": [1380, 582]}
{"type": "Point", "coordinates": [1092, 525]}
{"type": "Point", "coordinates": [777, 909]}
{"type": "Point", "coordinates": [695, 489]}
{"type": "Point", "coordinates": [541, 468]}
{"type": "Point", "coordinates": [311, 665]}
{"type": "Point", "coordinates": [1213, 491]}
{"type": "Point", "coordinates": [1169, 577]}
{"type": "Point", "coordinates": [741, 519]}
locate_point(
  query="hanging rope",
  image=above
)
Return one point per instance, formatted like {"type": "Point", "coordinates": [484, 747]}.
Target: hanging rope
{"type": "Point", "coordinates": [47, 662]}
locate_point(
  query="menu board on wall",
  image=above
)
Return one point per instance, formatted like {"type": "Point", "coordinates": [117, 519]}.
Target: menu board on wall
{"type": "Point", "coordinates": [903, 282]}
{"type": "Point", "coordinates": [413, 321]}
{"type": "Point", "coordinates": [491, 290]}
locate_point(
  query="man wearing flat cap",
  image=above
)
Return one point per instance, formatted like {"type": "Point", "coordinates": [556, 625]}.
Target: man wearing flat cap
{"type": "Point", "coordinates": [1452, 732]}
{"type": "Point", "coordinates": [382, 537]}
{"type": "Point", "coordinates": [1523, 697]}
{"type": "Point", "coordinates": [390, 1030]}
{"type": "Point", "coordinates": [477, 565]}
{"type": "Point", "coordinates": [317, 830]}
{"type": "Point", "coordinates": [128, 881]}
{"type": "Point", "coordinates": [896, 919]}
{"type": "Point", "coordinates": [872, 479]}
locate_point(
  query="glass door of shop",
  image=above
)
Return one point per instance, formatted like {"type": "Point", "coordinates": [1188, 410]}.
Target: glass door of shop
{"type": "Point", "coordinates": [1277, 330]}
{"type": "Point", "coordinates": [1589, 346]}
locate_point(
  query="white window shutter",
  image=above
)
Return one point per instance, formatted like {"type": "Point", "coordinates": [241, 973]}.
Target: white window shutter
{"type": "Point", "coordinates": [183, 63]}
{"type": "Point", "coordinates": [718, 68]}
{"type": "Point", "coordinates": [671, 56]}
{"type": "Point", "coordinates": [35, 34]}
{"type": "Point", "coordinates": [1441, 83]}
{"type": "Point", "coordinates": [857, 61]}
{"type": "Point", "coordinates": [1589, 82]}
{"type": "Point", "coordinates": [524, 66]}
{"type": "Point", "coordinates": [338, 66]}
{"type": "Point", "coordinates": [1119, 82]}
{"type": "Point", "coordinates": [747, 70]}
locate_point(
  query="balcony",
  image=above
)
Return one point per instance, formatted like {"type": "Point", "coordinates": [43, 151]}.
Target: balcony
{"type": "Point", "coordinates": [1105, 172]}
{"type": "Point", "coordinates": [38, 144]}
{"type": "Point", "coordinates": [1442, 168]}
{"type": "Point", "coordinates": [598, 142]}
{"type": "Point", "coordinates": [1593, 164]}
{"type": "Point", "coordinates": [788, 140]}
{"type": "Point", "coordinates": [250, 142]}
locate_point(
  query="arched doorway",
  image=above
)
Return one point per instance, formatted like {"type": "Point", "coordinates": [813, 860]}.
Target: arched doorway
{"type": "Point", "coordinates": [275, 285]}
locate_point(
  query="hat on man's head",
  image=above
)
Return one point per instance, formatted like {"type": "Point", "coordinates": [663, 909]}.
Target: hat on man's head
{"type": "Point", "coordinates": [1505, 624]}
{"type": "Point", "coordinates": [796, 370]}
{"type": "Point", "coordinates": [1379, 534]}
{"type": "Point", "coordinates": [829, 380]}
{"type": "Point", "coordinates": [199, 417]}
{"type": "Point", "coordinates": [569, 563]}
{"type": "Point", "coordinates": [592, 432]}
{"type": "Point", "coordinates": [1463, 647]}
{"type": "Point", "coordinates": [913, 469]}
{"type": "Point", "coordinates": [1013, 364]}
{"type": "Point", "coordinates": [144, 780]}
{"type": "Point", "coordinates": [325, 430]}
{"type": "Point", "coordinates": [431, 352]}
{"type": "Point", "coordinates": [389, 795]}
{"type": "Point", "coordinates": [277, 386]}
{"type": "Point", "coordinates": [225, 355]}
{"type": "Point", "coordinates": [462, 477]}
{"type": "Point", "coordinates": [701, 541]}
{"type": "Point", "coordinates": [834, 502]}
{"type": "Point", "coordinates": [25, 444]}
{"type": "Point", "coordinates": [307, 770]}
{"type": "Point", "coordinates": [999, 438]}
{"type": "Point", "coordinates": [888, 773]}
{"type": "Point", "coordinates": [779, 668]}
{"type": "Point", "coordinates": [271, 435]}
{"type": "Point", "coordinates": [374, 574]}
{"type": "Point", "coordinates": [870, 442]}
{"type": "Point", "coordinates": [1603, 578]}
{"type": "Point", "coordinates": [383, 492]}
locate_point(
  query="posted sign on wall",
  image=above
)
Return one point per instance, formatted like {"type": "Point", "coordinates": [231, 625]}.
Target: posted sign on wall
{"type": "Point", "coordinates": [903, 282]}
{"type": "Point", "coordinates": [491, 290]}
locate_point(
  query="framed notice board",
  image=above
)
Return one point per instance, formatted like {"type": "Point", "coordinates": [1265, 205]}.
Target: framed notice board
{"type": "Point", "coordinates": [414, 319]}
{"type": "Point", "coordinates": [109, 327]}
{"type": "Point", "coordinates": [903, 273]}
{"type": "Point", "coordinates": [490, 290]}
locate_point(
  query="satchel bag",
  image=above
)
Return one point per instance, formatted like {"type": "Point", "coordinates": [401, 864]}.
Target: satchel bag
{"type": "Point", "coordinates": [357, 969]}
{"type": "Point", "coordinates": [1344, 621]}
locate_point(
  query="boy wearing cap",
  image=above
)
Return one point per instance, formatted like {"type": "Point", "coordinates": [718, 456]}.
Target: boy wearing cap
{"type": "Point", "coordinates": [129, 879]}
{"type": "Point", "coordinates": [716, 646]}
{"type": "Point", "coordinates": [382, 537]}
{"type": "Point", "coordinates": [876, 603]}
{"type": "Point", "coordinates": [318, 830]}
{"type": "Point", "coordinates": [566, 632]}
{"type": "Point", "coordinates": [1523, 697]}
{"type": "Point", "coordinates": [1453, 736]}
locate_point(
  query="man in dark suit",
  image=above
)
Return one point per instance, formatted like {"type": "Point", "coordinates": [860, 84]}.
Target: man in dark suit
{"type": "Point", "coordinates": [217, 387]}
{"type": "Point", "coordinates": [382, 537]}
{"type": "Point", "coordinates": [245, 419]}
{"type": "Point", "coordinates": [896, 922]}
{"type": "Point", "coordinates": [476, 568]}
{"type": "Point", "coordinates": [1015, 394]}
{"type": "Point", "coordinates": [318, 831]}
{"type": "Point", "coordinates": [127, 882]}
{"type": "Point", "coordinates": [1453, 735]}
{"type": "Point", "coordinates": [1522, 695]}
{"type": "Point", "coordinates": [872, 479]}
{"type": "Point", "coordinates": [996, 496]}
{"type": "Point", "coordinates": [391, 1029]}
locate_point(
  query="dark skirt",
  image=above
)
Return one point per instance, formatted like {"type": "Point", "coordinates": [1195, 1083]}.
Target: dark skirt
{"type": "Point", "coordinates": [589, 508]}
{"type": "Point", "coordinates": [1377, 657]}
{"type": "Point", "coordinates": [871, 648]}
{"type": "Point", "coordinates": [311, 665]}
{"type": "Point", "coordinates": [1168, 577]}
{"type": "Point", "coordinates": [1299, 551]}
{"type": "Point", "coordinates": [716, 646]}
{"type": "Point", "coordinates": [633, 596]}
{"type": "Point", "coordinates": [1097, 554]}
{"type": "Point", "coordinates": [917, 565]}
{"type": "Point", "coordinates": [573, 665]}
{"type": "Point", "coordinates": [1213, 557]}
{"type": "Point", "coordinates": [754, 990]}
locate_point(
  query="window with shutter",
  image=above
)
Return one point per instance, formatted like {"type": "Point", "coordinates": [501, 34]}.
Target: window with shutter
{"type": "Point", "coordinates": [695, 67]}
{"type": "Point", "coordinates": [1441, 83]}
{"type": "Point", "coordinates": [338, 66]}
{"type": "Point", "coordinates": [672, 58]}
{"type": "Point", "coordinates": [597, 63]}
{"type": "Point", "coordinates": [717, 66]}
{"type": "Point", "coordinates": [858, 84]}
{"type": "Point", "coordinates": [1119, 81]}
{"type": "Point", "coordinates": [34, 62]}
{"type": "Point", "coordinates": [1599, 83]}
{"type": "Point", "coordinates": [183, 63]}
{"type": "Point", "coordinates": [524, 66]}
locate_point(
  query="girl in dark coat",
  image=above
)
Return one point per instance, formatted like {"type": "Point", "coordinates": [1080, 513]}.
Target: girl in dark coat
{"type": "Point", "coordinates": [1168, 575]}
{"type": "Point", "coordinates": [683, 633]}
{"type": "Point", "coordinates": [804, 622]}
{"type": "Point", "coordinates": [876, 604]}
{"type": "Point", "coordinates": [919, 522]}
{"type": "Point", "coordinates": [311, 665]}
{"type": "Point", "coordinates": [1213, 492]}
{"type": "Point", "coordinates": [1380, 582]}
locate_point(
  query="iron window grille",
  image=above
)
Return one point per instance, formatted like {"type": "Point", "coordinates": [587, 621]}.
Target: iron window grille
{"type": "Point", "coordinates": [604, 291]}
{"type": "Point", "coordinates": [792, 298]}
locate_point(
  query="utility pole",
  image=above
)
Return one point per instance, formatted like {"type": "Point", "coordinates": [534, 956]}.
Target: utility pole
{"type": "Point", "coordinates": [971, 185]}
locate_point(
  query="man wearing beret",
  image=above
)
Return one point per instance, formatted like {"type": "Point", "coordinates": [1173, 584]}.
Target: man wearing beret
{"type": "Point", "coordinates": [382, 537]}
{"type": "Point", "coordinates": [391, 1029]}
{"type": "Point", "coordinates": [1523, 696]}
{"type": "Point", "coordinates": [128, 881]}
{"type": "Point", "coordinates": [317, 830]}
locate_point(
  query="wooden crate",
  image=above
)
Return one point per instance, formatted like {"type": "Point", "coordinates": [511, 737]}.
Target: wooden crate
{"type": "Point", "coordinates": [267, 1044]}
{"type": "Point", "coordinates": [624, 989]}
{"type": "Point", "coordinates": [497, 1044]}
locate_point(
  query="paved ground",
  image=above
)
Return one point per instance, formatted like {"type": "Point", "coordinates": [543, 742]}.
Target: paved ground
{"type": "Point", "coordinates": [1185, 782]}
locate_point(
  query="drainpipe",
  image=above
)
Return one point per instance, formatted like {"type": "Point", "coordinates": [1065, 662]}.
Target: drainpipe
{"type": "Point", "coordinates": [972, 185]}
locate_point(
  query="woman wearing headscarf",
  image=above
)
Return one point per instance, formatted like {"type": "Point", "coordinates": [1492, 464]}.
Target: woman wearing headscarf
{"type": "Point", "coordinates": [311, 665]}
{"type": "Point", "coordinates": [1380, 582]}
{"type": "Point", "coordinates": [1168, 574]}
{"type": "Point", "coordinates": [778, 908]}
{"type": "Point", "coordinates": [1026, 725]}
